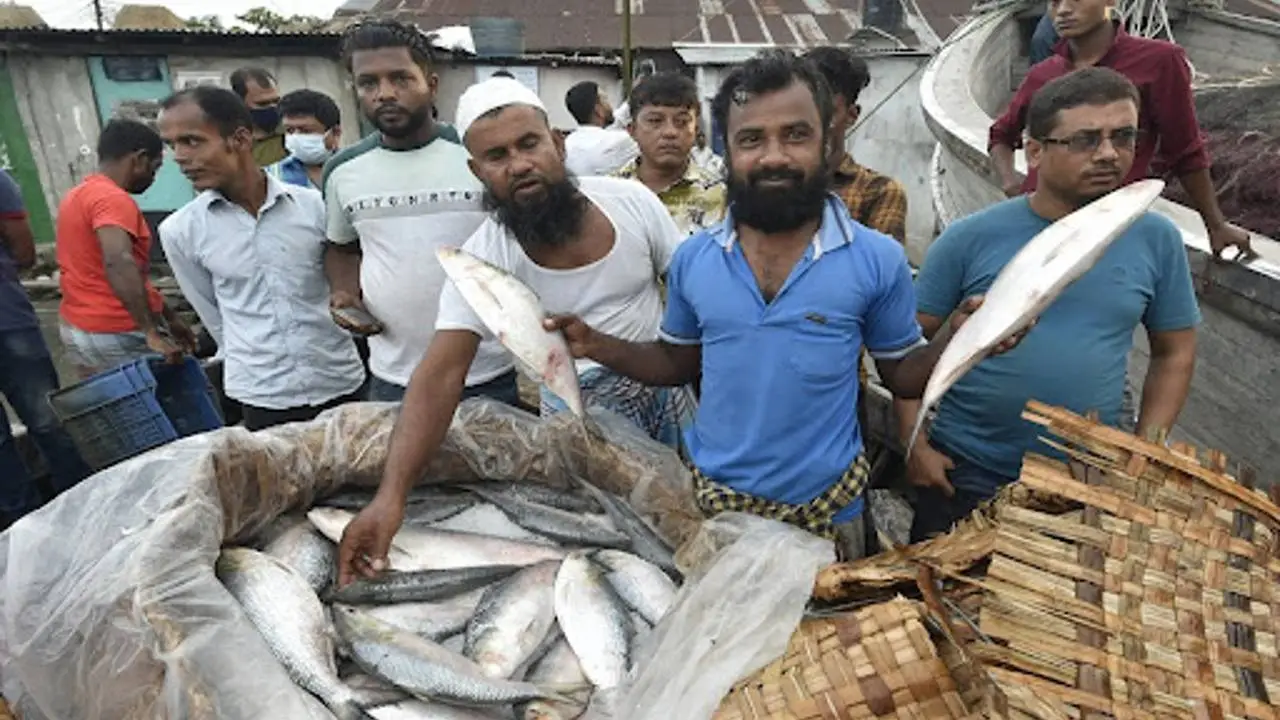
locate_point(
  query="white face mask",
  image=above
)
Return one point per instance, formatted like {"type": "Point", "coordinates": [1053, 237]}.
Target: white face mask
{"type": "Point", "coordinates": [307, 147]}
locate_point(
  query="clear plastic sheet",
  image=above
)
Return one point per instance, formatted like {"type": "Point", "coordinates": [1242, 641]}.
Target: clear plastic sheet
{"type": "Point", "coordinates": [750, 579]}
{"type": "Point", "coordinates": [109, 607]}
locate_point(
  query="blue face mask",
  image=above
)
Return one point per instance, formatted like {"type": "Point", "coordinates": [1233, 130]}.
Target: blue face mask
{"type": "Point", "coordinates": [266, 118]}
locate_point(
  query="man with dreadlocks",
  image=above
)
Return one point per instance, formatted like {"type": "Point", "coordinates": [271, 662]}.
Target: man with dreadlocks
{"type": "Point", "coordinates": [392, 199]}
{"type": "Point", "coordinates": [593, 246]}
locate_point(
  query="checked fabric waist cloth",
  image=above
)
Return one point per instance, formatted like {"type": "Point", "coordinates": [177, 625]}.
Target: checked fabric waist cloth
{"type": "Point", "coordinates": [817, 516]}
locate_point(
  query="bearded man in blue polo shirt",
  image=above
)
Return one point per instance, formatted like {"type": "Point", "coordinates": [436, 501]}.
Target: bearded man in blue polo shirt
{"type": "Point", "coordinates": [773, 306]}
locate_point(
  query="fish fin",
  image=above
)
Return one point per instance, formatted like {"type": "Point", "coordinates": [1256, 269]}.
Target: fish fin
{"type": "Point", "coordinates": [350, 710]}
{"type": "Point", "coordinates": [563, 692]}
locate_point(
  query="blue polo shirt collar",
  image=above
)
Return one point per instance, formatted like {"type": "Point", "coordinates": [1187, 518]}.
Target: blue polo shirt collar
{"type": "Point", "coordinates": [835, 231]}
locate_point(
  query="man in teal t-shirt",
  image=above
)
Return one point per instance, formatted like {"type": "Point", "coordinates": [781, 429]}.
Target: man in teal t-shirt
{"type": "Point", "coordinates": [1083, 129]}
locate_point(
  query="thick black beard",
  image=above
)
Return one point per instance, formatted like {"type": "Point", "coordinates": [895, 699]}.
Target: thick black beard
{"type": "Point", "coordinates": [417, 119]}
{"type": "Point", "coordinates": [776, 210]}
{"type": "Point", "coordinates": [554, 218]}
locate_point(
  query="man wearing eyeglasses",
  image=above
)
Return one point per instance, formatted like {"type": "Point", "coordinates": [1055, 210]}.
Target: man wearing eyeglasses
{"type": "Point", "coordinates": [1084, 138]}
{"type": "Point", "coordinates": [1090, 36]}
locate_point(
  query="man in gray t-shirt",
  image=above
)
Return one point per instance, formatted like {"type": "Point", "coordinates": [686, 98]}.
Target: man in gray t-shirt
{"type": "Point", "coordinates": [392, 199]}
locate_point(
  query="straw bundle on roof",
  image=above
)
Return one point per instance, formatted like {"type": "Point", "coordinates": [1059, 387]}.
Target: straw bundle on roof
{"type": "Point", "coordinates": [147, 17]}
{"type": "Point", "coordinates": [20, 16]}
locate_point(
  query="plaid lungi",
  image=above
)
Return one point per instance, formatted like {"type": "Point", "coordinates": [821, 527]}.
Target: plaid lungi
{"type": "Point", "coordinates": [662, 412]}
{"type": "Point", "coordinates": [817, 516]}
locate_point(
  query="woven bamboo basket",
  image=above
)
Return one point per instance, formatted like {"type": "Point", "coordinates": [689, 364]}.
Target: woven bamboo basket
{"type": "Point", "coordinates": [1158, 596]}
{"type": "Point", "coordinates": [878, 662]}
{"type": "Point", "coordinates": [1134, 581]}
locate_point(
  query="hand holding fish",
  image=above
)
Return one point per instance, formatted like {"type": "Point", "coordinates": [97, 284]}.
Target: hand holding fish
{"type": "Point", "coordinates": [1228, 235]}
{"type": "Point", "coordinates": [580, 336]}
{"type": "Point", "coordinates": [366, 541]}
{"type": "Point", "coordinates": [928, 468]}
{"type": "Point", "coordinates": [969, 307]}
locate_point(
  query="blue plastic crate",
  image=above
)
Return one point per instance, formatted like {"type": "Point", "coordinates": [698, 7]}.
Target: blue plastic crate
{"type": "Point", "coordinates": [120, 413]}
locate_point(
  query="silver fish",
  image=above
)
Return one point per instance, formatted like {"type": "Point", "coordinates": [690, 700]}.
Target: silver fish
{"type": "Point", "coordinates": [645, 541]}
{"type": "Point", "coordinates": [310, 554]}
{"type": "Point", "coordinates": [558, 667]}
{"type": "Point", "coordinates": [641, 584]}
{"type": "Point", "coordinates": [359, 498]}
{"type": "Point", "coordinates": [1032, 280]}
{"type": "Point", "coordinates": [486, 519]}
{"type": "Point", "coordinates": [424, 668]}
{"type": "Point", "coordinates": [514, 314]}
{"type": "Point", "coordinates": [419, 585]}
{"type": "Point", "coordinates": [419, 710]}
{"type": "Point", "coordinates": [560, 525]}
{"type": "Point", "coordinates": [512, 620]}
{"type": "Point", "coordinates": [419, 548]}
{"type": "Point", "coordinates": [594, 620]}
{"type": "Point", "coordinates": [541, 494]}
{"type": "Point", "coordinates": [428, 513]}
{"type": "Point", "coordinates": [292, 621]}
{"type": "Point", "coordinates": [434, 621]}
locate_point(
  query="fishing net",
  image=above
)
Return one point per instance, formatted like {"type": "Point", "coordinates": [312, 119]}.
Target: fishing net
{"type": "Point", "coordinates": [109, 607]}
{"type": "Point", "coordinates": [1241, 124]}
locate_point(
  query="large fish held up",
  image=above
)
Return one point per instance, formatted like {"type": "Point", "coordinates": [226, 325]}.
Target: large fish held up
{"type": "Point", "coordinates": [1032, 280]}
{"type": "Point", "coordinates": [514, 314]}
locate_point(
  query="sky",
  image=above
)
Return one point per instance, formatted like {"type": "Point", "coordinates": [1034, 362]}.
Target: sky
{"type": "Point", "coordinates": [79, 13]}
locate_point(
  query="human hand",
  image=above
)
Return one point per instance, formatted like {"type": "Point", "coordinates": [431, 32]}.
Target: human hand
{"type": "Point", "coordinates": [970, 305]}
{"type": "Point", "coordinates": [1227, 235]}
{"type": "Point", "coordinates": [366, 541]}
{"type": "Point", "coordinates": [928, 468]}
{"type": "Point", "coordinates": [578, 334]}
{"type": "Point", "coordinates": [165, 345]}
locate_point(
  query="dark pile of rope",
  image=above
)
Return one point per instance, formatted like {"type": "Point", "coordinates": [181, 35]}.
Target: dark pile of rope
{"type": "Point", "coordinates": [1242, 128]}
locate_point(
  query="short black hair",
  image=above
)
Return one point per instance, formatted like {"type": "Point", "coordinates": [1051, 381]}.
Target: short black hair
{"type": "Point", "coordinates": [666, 89]}
{"type": "Point", "coordinates": [581, 101]}
{"type": "Point", "coordinates": [767, 72]}
{"type": "Point", "coordinates": [382, 33]}
{"type": "Point", "coordinates": [1087, 86]}
{"type": "Point", "coordinates": [123, 137]}
{"type": "Point", "coordinates": [220, 106]}
{"type": "Point", "coordinates": [261, 77]}
{"type": "Point", "coordinates": [311, 103]}
{"type": "Point", "coordinates": [503, 73]}
{"type": "Point", "coordinates": [846, 74]}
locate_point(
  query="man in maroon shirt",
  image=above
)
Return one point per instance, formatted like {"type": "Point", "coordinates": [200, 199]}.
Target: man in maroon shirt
{"type": "Point", "coordinates": [1168, 114]}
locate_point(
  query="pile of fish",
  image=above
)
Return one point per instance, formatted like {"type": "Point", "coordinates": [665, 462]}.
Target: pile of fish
{"type": "Point", "coordinates": [504, 600]}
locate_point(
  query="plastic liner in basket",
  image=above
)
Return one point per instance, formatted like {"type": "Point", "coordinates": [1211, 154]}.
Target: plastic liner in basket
{"type": "Point", "coordinates": [109, 607]}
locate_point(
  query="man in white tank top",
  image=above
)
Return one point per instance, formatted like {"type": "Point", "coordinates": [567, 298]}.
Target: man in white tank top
{"type": "Point", "coordinates": [594, 247]}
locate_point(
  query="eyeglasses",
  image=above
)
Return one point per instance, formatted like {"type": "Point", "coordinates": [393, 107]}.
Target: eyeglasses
{"type": "Point", "coordinates": [1088, 141]}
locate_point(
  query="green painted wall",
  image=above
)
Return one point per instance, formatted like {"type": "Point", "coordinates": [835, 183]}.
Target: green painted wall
{"type": "Point", "coordinates": [16, 158]}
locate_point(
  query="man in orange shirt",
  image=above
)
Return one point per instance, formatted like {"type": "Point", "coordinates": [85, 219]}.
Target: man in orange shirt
{"type": "Point", "coordinates": [110, 312]}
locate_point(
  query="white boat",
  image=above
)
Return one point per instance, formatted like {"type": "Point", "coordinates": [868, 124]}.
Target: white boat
{"type": "Point", "coordinates": [1234, 405]}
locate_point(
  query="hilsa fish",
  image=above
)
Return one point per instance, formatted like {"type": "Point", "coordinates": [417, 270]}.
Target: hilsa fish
{"type": "Point", "coordinates": [1033, 279]}
{"type": "Point", "coordinates": [514, 314]}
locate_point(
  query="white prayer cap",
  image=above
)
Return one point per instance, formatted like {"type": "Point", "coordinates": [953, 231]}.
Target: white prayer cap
{"type": "Point", "coordinates": [489, 95]}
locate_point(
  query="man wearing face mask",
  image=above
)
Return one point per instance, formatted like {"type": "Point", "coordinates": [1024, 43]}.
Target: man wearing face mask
{"type": "Point", "coordinates": [312, 133]}
{"type": "Point", "coordinates": [257, 88]}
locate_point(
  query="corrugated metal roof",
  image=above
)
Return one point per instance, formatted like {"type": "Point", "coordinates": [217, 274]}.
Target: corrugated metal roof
{"type": "Point", "coordinates": [659, 24]}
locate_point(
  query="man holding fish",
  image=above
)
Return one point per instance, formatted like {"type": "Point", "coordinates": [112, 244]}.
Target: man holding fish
{"type": "Point", "coordinates": [772, 305]}
{"type": "Point", "coordinates": [1084, 130]}
{"type": "Point", "coordinates": [596, 246]}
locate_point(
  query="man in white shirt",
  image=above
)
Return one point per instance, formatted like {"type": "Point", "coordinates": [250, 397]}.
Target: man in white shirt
{"type": "Point", "coordinates": [392, 199]}
{"type": "Point", "coordinates": [599, 146]}
{"type": "Point", "coordinates": [247, 254]}
{"type": "Point", "coordinates": [595, 247]}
